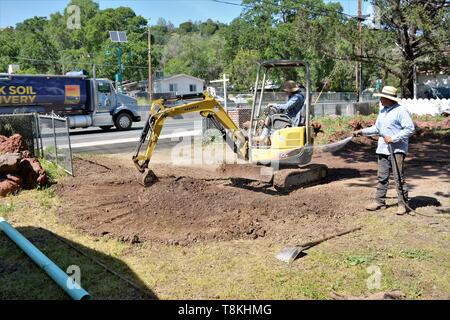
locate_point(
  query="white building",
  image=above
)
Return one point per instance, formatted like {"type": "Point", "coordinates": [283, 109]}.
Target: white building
{"type": "Point", "coordinates": [178, 84]}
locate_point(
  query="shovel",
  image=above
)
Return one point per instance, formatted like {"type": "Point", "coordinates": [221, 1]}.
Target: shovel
{"type": "Point", "coordinates": [289, 254]}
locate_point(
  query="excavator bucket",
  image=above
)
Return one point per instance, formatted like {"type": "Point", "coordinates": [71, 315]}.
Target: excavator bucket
{"type": "Point", "coordinates": [147, 178]}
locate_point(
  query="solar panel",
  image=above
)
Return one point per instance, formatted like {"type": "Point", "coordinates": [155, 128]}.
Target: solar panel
{"type": "Point", "coordinates": [122, 36]}
{"type": "Point", "coordinates": [118, 36]}
{"type": "Point", "coordinates": [114, 36]}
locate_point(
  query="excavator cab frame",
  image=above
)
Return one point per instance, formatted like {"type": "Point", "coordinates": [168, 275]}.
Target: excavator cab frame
{"type": "Point", "coordinates": [300, 137]}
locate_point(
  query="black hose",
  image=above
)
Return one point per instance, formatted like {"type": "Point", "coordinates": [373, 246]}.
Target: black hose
{"type": "Point", "coordinates": [399, 186]}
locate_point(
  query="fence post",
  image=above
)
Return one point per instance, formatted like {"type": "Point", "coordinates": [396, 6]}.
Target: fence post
{"type": "Point", "coordinates": [36, 136]}
{"type": "Point", "coordinates": [70, 148]}
{"type": "Point", "coordinates": [40, 135]}
{"type": "Point", "coordinates": [54, 139]}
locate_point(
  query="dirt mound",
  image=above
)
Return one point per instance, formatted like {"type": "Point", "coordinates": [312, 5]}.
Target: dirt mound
{"type": "Point", "coordinates": [440, 125]}
{"type": "Point", "coordinates": [357, 124]}
{"type": "Point", "coordinates": [187, 205]}
{"type": "Point", "coordinates": [191, 204]}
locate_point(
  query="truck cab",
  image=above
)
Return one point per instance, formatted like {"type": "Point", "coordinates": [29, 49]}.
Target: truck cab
{"type": "Point", "coordinates": [112, 108]}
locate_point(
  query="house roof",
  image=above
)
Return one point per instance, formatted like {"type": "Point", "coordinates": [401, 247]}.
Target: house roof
{"type": "Point", "coordinates": [180, 76]}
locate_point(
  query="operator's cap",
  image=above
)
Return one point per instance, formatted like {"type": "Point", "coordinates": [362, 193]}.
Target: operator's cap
{"type": "Point", "coordinates": [388, 92]}
{"type": "Point", "coordinates": [290, 86]}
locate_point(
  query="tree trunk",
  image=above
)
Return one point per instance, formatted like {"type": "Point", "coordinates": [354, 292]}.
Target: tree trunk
{"type": "Point", "coordinates": [407, 82]}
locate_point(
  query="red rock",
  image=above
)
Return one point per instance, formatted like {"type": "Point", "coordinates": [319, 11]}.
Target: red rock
{"type": "Point", "coordinates": [9, 162]}
{"type": "Point", "coordinates": [13, 144]}
{"type": "Point", "coordinates": [14, 178]}
{"type": "Point", "coordinates": [32, 173]}
{"type": "Point", "coordinates": [8, 186]}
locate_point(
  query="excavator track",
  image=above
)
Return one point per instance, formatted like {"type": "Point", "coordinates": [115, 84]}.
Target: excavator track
{"type": "Point", "coordinates": [282, 179]}
{"type": "Point", "coordinates": [300, 177]}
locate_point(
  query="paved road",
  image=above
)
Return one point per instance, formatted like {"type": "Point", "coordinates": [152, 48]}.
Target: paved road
{"type": "Point", "coordinates": [95, 140]}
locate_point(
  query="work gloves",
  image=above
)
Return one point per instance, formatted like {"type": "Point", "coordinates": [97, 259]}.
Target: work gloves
{"type": "Point", "coordinates": [271, 109]}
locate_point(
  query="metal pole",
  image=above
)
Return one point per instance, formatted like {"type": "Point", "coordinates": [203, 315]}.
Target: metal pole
{"type": "Point", "coordinates": [70, 148]}
{"type": "Point", "coordinates": [225, 90]}
{"type": "Point", "coordinates": [94, 84]}
{"type": "Point", "coordinates": [258, 110]}
{"type": "Point", "coordinates": [119, 57]}
{"type": "Point", "coordinates": [150, 86]}
{"type": "Point", "coordinates": [358, 62]}
{"type": "Point", "coordinates": [54, 138]}
{"type": "Point", "coordinates": [307, 102]}
{"type": "Point", "coordinates": [252, 130]}
{"type": "Point", "coordinates": [36, 127]}
{"type": "Point", "coordinates": [40, 135]}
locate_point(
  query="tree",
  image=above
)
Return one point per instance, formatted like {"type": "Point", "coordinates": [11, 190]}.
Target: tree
{"type": "Point", "coordinates": [194, 55]}
{"type": "Point", "coordinates": [186, 27]}
{"type": "Point", "coordinates": [36, 47]}
{"type": "Point", "coordinates": [243, 69]}
{"type": "Point", "coordinates": [420, 32]}
{"type": "Point", "coordinates": [208, 28]}
{"type": "Point", "coordinates": [8, 47]}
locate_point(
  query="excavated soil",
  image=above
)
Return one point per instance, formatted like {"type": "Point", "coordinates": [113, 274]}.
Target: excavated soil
{"type": "Point", "coordinates": [192, 204]}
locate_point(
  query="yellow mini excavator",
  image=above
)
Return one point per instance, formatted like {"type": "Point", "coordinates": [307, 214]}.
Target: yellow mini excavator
{"type": "Point", "coordinates": [283, 163]}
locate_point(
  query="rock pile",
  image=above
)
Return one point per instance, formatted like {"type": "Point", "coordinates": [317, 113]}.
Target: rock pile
{"type": "Point", "coordinates": [18, 168]}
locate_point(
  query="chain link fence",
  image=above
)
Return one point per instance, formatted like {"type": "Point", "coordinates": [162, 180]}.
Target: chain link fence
{"type": "Point", "coordinates": [47, 136]}
{"type": "Point", "coordinates": [55, 141]}
{"type": "Point", "coordinates": [24, 124]}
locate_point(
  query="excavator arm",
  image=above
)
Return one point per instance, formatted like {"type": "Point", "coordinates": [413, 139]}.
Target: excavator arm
{"type": "Point", "coordinates": [207, 107]}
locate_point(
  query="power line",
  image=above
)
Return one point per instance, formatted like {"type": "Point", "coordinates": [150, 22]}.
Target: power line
{"type": "Point", "coordinates": [321, 11]}
{"type": "Point", "coordinates": [75, 62]}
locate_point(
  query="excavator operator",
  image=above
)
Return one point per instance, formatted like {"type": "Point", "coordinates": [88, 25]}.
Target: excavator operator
{"type": "Point", "coordinates": [284, 115]}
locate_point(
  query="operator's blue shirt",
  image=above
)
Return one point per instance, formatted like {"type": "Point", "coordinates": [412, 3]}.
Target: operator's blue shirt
{"type": "Point", "coordinates": [292, 107]}
{"type": "Point", "coordinates": [394, 121]}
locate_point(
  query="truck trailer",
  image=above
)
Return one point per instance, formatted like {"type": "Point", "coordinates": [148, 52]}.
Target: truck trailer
{"type": "Point", "coordinates": [84, 101]}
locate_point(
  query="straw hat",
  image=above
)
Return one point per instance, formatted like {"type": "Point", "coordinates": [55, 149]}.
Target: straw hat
{"type": "Point", "coordinates": [388, 92]}
{"type": "Point", "coordinates": [290, 86]}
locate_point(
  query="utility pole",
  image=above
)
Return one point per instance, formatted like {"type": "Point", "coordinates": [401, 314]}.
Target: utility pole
{"type": "Point", "coordinates": [359, 54]}
{"type": "Point", "coordinates": [119, 75]}
{"type": "Point", "coordinates": [149, 65]}
{"type": "Point", "coordinates": [224, 80]}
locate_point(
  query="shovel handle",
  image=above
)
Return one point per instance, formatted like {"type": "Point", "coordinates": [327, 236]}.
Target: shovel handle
{"type": "Point", "coordinates": [316, 242]}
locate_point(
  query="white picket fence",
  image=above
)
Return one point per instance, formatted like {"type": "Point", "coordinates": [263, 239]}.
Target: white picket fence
{"type": "Point", "coordinates": [426, 106]}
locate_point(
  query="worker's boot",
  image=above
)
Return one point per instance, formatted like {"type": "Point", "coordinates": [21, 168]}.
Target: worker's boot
{"type": "Point", "coordinates": [374, 206]}
{"type": "Point", "coordinates": [401, 209]}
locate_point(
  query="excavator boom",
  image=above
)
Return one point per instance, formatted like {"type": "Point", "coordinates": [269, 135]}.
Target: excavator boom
{"type": "Point", "coordinates": [207, 107]}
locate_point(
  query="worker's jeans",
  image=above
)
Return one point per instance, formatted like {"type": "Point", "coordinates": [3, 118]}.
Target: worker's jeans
{"type": "Point", "coordinates": [384, 171]}
{"type": "Point", "coordinates": [274, 122]}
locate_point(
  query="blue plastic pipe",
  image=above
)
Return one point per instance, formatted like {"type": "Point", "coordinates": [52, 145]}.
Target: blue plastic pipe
{"type": "Point", "coordinates": [53, 271]}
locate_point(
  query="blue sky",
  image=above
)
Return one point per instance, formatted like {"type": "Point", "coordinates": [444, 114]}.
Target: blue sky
{"type": "Point", "coordinates": [176, 11]}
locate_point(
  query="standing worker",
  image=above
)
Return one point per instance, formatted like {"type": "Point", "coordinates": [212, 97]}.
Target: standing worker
{"type": "Point", "coordinates": [394, 126]}
{"type": "Point", "coordinates": [288, 113]}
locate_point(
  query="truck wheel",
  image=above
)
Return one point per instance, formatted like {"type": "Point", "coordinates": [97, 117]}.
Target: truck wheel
{"type": "Point", "coordinates": [123, 121]}
{"type": "Point", "coordinates": [105, 128]}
